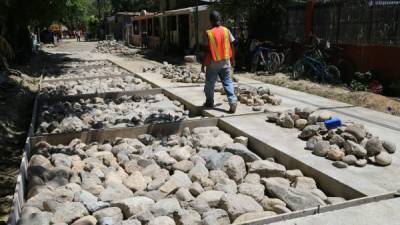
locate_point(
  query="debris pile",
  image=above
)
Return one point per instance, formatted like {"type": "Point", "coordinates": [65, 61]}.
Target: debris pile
{"type": "Point", "coordinates": [88, 72]}
{"type": "Point", "coordinates": [255, 97]}
{"type": "Point", "coordinates": [348, 145]}
{"type": "Point", "coordinates": [77, 87]}
{"type": "Point", "coordinates": [201, 176]}
{"type": "Point", "coordinates": [98, 113]}
{"type": "Point", "coordinates": [114, 47]}
{"type": "Point", "coordinates": [183, 74]}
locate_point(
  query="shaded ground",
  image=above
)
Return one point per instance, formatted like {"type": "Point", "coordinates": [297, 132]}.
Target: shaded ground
{"type": "Point", "coordinates": [17, 93]}
{"type": "Point", "coordinates": [364, 99]}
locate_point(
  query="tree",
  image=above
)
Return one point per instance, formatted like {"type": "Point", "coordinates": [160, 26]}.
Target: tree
{"type": "Point", "coordinates": [133, 5]}
{"type": "Point", "coordinates": [264, 17]}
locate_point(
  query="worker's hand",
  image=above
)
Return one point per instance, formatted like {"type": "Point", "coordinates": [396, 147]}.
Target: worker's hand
{"type": "Point", "coordinates": [233, 63]}
{"type": "Point", "coordinates": [203, 68]}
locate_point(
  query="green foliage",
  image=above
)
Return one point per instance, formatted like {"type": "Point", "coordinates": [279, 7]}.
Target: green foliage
{"type": "Point", "coordinates": [361, 81]}
{"type": "Point", "coordinates": [133, 5]}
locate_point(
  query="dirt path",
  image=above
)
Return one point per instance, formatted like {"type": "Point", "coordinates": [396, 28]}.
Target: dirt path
{"type": "Point", "coordinates": [363, 99]}
{"type": "Point", "coordinates": [16, 101]}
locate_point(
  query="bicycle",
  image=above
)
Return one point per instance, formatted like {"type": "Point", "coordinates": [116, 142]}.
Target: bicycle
{"type": "Point", "coordinates": [267, 59]}
{"type": "Point", "coordinates": [317, 69]}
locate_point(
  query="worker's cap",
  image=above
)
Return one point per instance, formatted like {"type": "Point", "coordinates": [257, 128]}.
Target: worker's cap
{"type": "Point", "coordinates": [215, 16]}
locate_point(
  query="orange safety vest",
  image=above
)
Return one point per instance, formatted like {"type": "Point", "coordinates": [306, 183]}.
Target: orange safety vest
{"type": "Point", "coordinates": [220, 44]}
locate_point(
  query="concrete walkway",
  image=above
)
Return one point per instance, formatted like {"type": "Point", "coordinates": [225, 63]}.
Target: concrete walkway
{"type": "Point", "coordinates": [377, 213]}
{"type": "Point", "coordinates": [283, 144]}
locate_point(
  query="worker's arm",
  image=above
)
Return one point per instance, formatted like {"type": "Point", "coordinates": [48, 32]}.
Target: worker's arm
{"type": "Point", "coordinates": [233, 61]}
{"type": "Point", "coordinates": [206, 53]}
{"type": "Point", "coordinates": [232, 40]}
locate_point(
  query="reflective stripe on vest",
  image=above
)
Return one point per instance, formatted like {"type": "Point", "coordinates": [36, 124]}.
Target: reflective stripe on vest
{"type": "Point", "coordinates": [219, 52]}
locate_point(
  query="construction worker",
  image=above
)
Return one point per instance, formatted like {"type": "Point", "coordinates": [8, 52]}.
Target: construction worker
{"type": "Point", "coordinates": [218, 61]}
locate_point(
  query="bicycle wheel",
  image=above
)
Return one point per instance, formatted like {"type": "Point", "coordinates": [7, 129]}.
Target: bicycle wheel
{"type": "Point", "coordinates": [273, 63]}
{"type": "Point", "coordinates": [333, 75]}
{"type": "Point", "coordinates": [298, 70]}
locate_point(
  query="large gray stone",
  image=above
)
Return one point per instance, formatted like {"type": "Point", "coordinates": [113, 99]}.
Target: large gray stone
{"type": "Point", "coordinates": [165, 207]}
{"type": "Point", "coordinates": [69, 212]}
{"type": "Point", "coordinates": [198, 172]}
{"type": "Point", "coordinates": [255, 191]}
{"type": "Point", "coordinates": [235, 168]}
{"type": "Point", "coordinates": [187, 217]}
{"type": "Point", "coordinates": [243, 151]}
{"type": "Point", "coordinates": [90, 201]}
{"type": "Point", "coordinates": [216, 161]}
{"type": "Point", "coordinates": [115, 192]}
{"type": "Point", "coordinates": [253, 216]}
{"type": "Point", "coordinates": [226, 185]}
{"type": "Point", "coordinates": [36, 218]}
{"type": "Point", "coordinates": [355, 149]}
{"type": "Point", "coordinates": [112, 215]}
{"type": "Point", "coordinates": [296, 199]}
{"type": "Point", "coordinates": [178, 180]}
{"type": "Point", "coordinates": [266, 168]}
{"type": "Point", "coordinates": [357, 130]}
{"type": "Point", "coordinates": [134, 205]}
{"type": "Point", "coordinates": [374, 146]}
{"type": "Point", "coordinates": [162, 220]}
{"type": "Point", "coordinates": [216, 217]}
{"type": "Point", "coordinates": [212, 198]}
{"type": "Point", "coordinates": [239, 204]}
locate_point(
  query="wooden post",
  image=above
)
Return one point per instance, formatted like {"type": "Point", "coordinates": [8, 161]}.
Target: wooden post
{"type": "Point", "coordinates": [309, 19]}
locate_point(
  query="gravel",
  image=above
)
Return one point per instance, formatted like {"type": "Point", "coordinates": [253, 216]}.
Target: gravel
{"type": "Point", "coordinates": [114, 47]}
{"type": "Point", "coordinates": [114, 182]}
{"type": "Point", "coordinates": [80, 72]}
{"type": "Point", "coordinates": [98, 113]}
{"type": "Point", "coordinates": [78, 87]}
{"type": "Point", "coordinates": [182, 74]}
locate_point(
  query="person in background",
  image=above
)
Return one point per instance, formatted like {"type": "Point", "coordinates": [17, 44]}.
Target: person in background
{"type": "Point", "coordinates": [78, 36]}
{"type": "Point", "coordinates": [218, 60]}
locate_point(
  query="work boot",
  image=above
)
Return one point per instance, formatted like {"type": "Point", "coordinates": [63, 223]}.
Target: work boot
{"type": "Point", "coordinates": [232, 107]}
{"type": "Point", "coordinates": [208, 104]}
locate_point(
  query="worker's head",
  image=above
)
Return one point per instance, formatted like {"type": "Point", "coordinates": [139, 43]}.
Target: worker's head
{"type": "Point", "coordinates": [215, 18]}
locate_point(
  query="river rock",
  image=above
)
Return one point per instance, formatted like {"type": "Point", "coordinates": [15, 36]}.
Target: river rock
{"type": "Point", "coordinates": [350, 160]}
{"type": "Point", "coordinates": [162, 220]}
{"type": "Point", "coordinates": [165, 207]}
{"type": "Point", "coordinates": [389, 146]}
{"type": "Point", "coordinates": [112, 215]}
{"type": "Point", "coordinates": [69, 212]}
{"type": "Point", "coordinates": [383, 159]}
{"type": "Point", "coordinates": [255, 191]}
{"type": "Point", "coordinates": [239, 204]}
{"type": "Point", "coordinates": [134, 205]}
{"type": "Point", "coordinates": [296, 199]}
{"type": "Point", "coordinates": [86, 220]}
{"type": "Point", "coordinates": [267, 168]}
{"type": "Point", "coordinates": [355, 149]}
{"type": "Point", "coordinates": [212, 198]}
{"type": "Point", "coordinates": [235, 168]}
{"type": "Point", "coordinates": [226, 185]}
{"type": "Point", "coordinates": [216, 217]}
{"type": "Point", "coordinates": [321, 148]}
{"type": "Point", "coordinates": [243, 151]}
{"type": "Point", "coordinates": [308, 132]}
{"type": "Point", "coordinates": [357, 130]}
{"type": "Point", "coordinates": [187, 217]}
{"type": "Point", "coordinates": [374, 146]}
{"type": "Point", "coordinates": [253, 216]}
